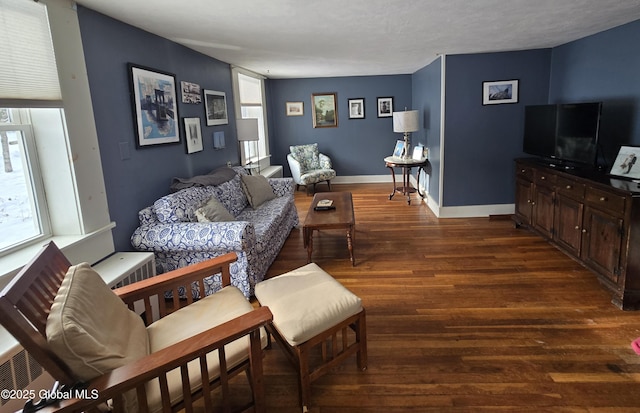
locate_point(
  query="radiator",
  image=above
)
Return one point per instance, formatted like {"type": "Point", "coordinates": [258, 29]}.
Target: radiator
{"type": "Point", "coordinates": [19, 371]}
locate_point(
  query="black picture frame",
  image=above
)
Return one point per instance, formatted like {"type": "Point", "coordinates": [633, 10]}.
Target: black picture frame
{"type": "Point", "coordinates": [385, 107]}
{"type": "Point", "coordinates": [154, 99]}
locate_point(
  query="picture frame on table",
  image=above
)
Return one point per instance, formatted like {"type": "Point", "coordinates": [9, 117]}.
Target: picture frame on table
{"type": "Point", "coordinates": [499, 92]}
{"type": "Point", "coordinates": [627, 163]}
{"type": "Point", "coordinates": [154, 100]}
{"type": "Point", "coordinates": [294, 108]}
{"type": "Point", "coordinates": [215, 104]}
{"type": "Point", "coordinates": [398, 150]}
{"type": "Point", "coordinates": [356, 108]}
{"type": "Point", "coordinates": [193, 134]}
{"type": "Point", "coordinates": [385, 107]}
{"type": "Point", "coordinates": [325, 110]}
{"type": "Point", "coordinates": [418, 153]}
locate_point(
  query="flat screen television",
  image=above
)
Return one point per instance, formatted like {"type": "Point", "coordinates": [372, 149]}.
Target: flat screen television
{"type": "Point", "coordinates": [565, 133]}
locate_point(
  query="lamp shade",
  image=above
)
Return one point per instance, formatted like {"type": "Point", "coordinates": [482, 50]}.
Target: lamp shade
{"type": "Point", "coordinates": [407, 121]}
{"type": "Point", "coordinates": [247, 129]}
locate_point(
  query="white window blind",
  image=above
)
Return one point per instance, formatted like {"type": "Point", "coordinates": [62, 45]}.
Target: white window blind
{"type": "Point", "coordinates": [28, 72]}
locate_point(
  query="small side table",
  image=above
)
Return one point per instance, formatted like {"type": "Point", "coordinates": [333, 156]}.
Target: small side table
{"type": "Point", "coordinates": [392, 162]}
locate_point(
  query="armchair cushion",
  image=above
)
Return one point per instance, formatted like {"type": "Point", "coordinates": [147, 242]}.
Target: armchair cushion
{"type": "Point", "coordinates": [307, 155]}
{"type": "Point", "coordinates": [93, 339]}
{"type": "Point", "coordinates": [213, 211]}
{"type": "Point", "coordinates": [209, 312]}
{"type": "Point", "coordinates": [257, 189]}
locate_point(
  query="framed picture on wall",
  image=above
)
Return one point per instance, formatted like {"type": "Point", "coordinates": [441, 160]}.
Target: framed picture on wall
{"type": "Point", "coordinates": [502, 91]}
{"type": "Point", "coordinates": [193, 134]}
{"type": "Point", "coordinates": [325, 110]}
{"type": "Point", "coordinates": [154, 102]}
{"type": "Point", "coordinates": [215, 104]}
{"type": "Point", "coordinates": [385, 107]}
{"type": "Point", "coordinates": [190, 92]}
{"type": "Point", "coordinates": [295, 108]}
{"type": "Point", "coordinates": [356, 108]}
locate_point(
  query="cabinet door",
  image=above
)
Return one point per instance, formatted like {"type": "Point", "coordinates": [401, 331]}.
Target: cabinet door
{"type": "Point", "coordinates": [568, 223]}
{"type": "Point", "coordinates": [601, 242]}
{"type": "Point", "coordinates": [543, 197]}
{"type": "Point", "coordinates": [524, 205]}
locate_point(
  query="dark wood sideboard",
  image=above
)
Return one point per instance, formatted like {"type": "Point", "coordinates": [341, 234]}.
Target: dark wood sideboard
{"type": "Point", "coordinates": [591, 216]}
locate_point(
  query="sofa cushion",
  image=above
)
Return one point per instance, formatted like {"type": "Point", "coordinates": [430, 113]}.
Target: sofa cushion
{"type": "Point", "coordinates": [213, 211]}
{"type": "Point", "coordinates": [257, 189]}
{"type": "Point", "coordinates": [231, 195]}
{"type": "Point", "coordinates": [181, 206]}
{"type": "Point", "coordinates": [307, 155]}
{"type": "Point", "coordinates": [215, 177]}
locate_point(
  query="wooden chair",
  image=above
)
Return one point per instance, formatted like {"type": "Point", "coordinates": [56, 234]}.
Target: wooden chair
{"type": "Point", "coordinates": [26, 303]}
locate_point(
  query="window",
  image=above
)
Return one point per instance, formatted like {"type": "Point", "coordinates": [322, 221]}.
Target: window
{"type": "Point", "coordinates": [250, 103]}
{"type": "Point", "coordinates": [23, 211]}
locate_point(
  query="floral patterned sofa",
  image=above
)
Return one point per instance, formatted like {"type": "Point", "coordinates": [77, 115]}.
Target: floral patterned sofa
{"type": "Point", "coordinates": [170, 229]}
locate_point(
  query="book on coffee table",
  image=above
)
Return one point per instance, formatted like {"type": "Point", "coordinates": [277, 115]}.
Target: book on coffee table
{"type": "Point", "coordinates": [324, 204]}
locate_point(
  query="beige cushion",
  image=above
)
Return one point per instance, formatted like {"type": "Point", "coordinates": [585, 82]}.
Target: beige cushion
{"type": "Point", "coordinates": [305, 302]}
{"type": "Point", "coordinates": [213, 211]}
{"type": "Point", "coordinates": [257, 189]}
{"type": "Point", "coordinates": [207, 313]}
{"type": "Point", "coordinates": [92, 330]}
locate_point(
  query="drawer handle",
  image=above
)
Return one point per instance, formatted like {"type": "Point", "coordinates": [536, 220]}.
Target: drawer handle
{"type": "Point", "coordinates": [523, 170]}
{"type": "Point", "coordinates": [603, 198]}
{"type": "Point", "coordinates": [542, 178]}
{"type": "Point", "coordinates": [568, 187]}
{"type": "Point", "coordinates": [584, 231]}
{"type": "Point", "coordinates": [577, 227]}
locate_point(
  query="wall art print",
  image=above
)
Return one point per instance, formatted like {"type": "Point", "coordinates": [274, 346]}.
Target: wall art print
{"type": "Point", "coordinates": [155, 110]}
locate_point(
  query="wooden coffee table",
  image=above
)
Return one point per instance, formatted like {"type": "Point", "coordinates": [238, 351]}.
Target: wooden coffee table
{"type": "Point", "coordinates": [342, 217]}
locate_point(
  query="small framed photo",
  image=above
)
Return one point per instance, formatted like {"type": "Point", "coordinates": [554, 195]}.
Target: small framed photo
{"type": "Point", "coordinates": [356, 108]}
{"type": "Point", "coordinates": [498, 92]}
{"type": "Point", "coordinates": [190, 92]}
{"type": "Point", "coordinates": [627, 163]}
{"type": "Point", "coordinates": [398, 151]}
{"type": "Point", "coordinates": [193, 134]}
{"type": "Point", "coordinates": [295, 108]}
{"type": "Point", "coordinates": [325, 108]}
{"type": "Point", "coordinates": [385, 107]}
{"type": "Point", "coordinates": [215, 104]}
{"type": "Point", "coordinates": [418, 153]}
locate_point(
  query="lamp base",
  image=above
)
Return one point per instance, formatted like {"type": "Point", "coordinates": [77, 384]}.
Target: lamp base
{"type": "Point", "coordinates": [407, 146]}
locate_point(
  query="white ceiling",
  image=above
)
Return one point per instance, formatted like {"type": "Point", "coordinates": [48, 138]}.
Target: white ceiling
{"type": "Point", "coordinates": [298, 38]}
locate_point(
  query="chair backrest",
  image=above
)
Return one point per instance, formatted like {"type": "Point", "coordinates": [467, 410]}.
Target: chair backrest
{"type": "Point", "coordinates": [307, 155]}
{"type": "Point", "coordinates": [25, 304]}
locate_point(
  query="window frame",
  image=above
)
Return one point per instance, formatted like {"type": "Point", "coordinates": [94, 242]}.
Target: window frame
{"type": "Point", "coordinates": [263, 155]}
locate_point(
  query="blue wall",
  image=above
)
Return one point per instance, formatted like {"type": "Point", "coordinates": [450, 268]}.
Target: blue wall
{"type": "Point", "coordinates": [426, 91]}
{"type": "Point", "coordinates": [136, 182]}
{"type": "Point", "coordinates": [481, 142]}
{"type": "Point", "coordinates": [603, 67]}
{"type": "Point", "coordinates": [356, 146]}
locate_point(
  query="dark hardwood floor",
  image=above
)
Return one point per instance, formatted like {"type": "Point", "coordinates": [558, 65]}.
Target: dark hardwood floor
{"type": "Point", "coordinates": [463, 315]}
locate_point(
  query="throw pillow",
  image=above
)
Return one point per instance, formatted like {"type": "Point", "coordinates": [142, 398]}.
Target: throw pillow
{"type": "Point", "coordinates": [257, 189]}
{"type": "Point", "coordinates": [307, 155]}
{"type": "Point", "coordinates": [213, 211]}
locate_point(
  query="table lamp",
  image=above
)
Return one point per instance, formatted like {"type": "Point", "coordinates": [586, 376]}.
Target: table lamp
{"type": "Point", "coordinates": [406, 122]}
{"type": "Point", "coordinates": [248, 132]}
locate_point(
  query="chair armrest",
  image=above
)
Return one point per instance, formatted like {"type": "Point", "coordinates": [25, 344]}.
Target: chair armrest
{"type": "Point", "coordinates": [295, 167]}
{"type": "Point", "coordinates": [325, 161]}
{"type": "Point", "coordinates": [209, 237]}
{"type": "Point", "coordinates": [282, 186]}
{"type": "Point", "coordinates": [173, 280]}
{"type": "Point", "coordinates": [134, 375]}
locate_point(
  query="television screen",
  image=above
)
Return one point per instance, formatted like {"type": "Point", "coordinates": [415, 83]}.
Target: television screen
{"type": "Point", "coordinates": [563, 132]}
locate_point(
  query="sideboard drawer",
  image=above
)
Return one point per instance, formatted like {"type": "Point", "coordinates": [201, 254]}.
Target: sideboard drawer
{"type": "Point", "coordinates": [524, 171]}
{"type": "Point", "coordinates": [609, 201]}
{"type": "Point", "coordinates": [570, 188]}
{"type": "Point", "coordinates": [544, 178]}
